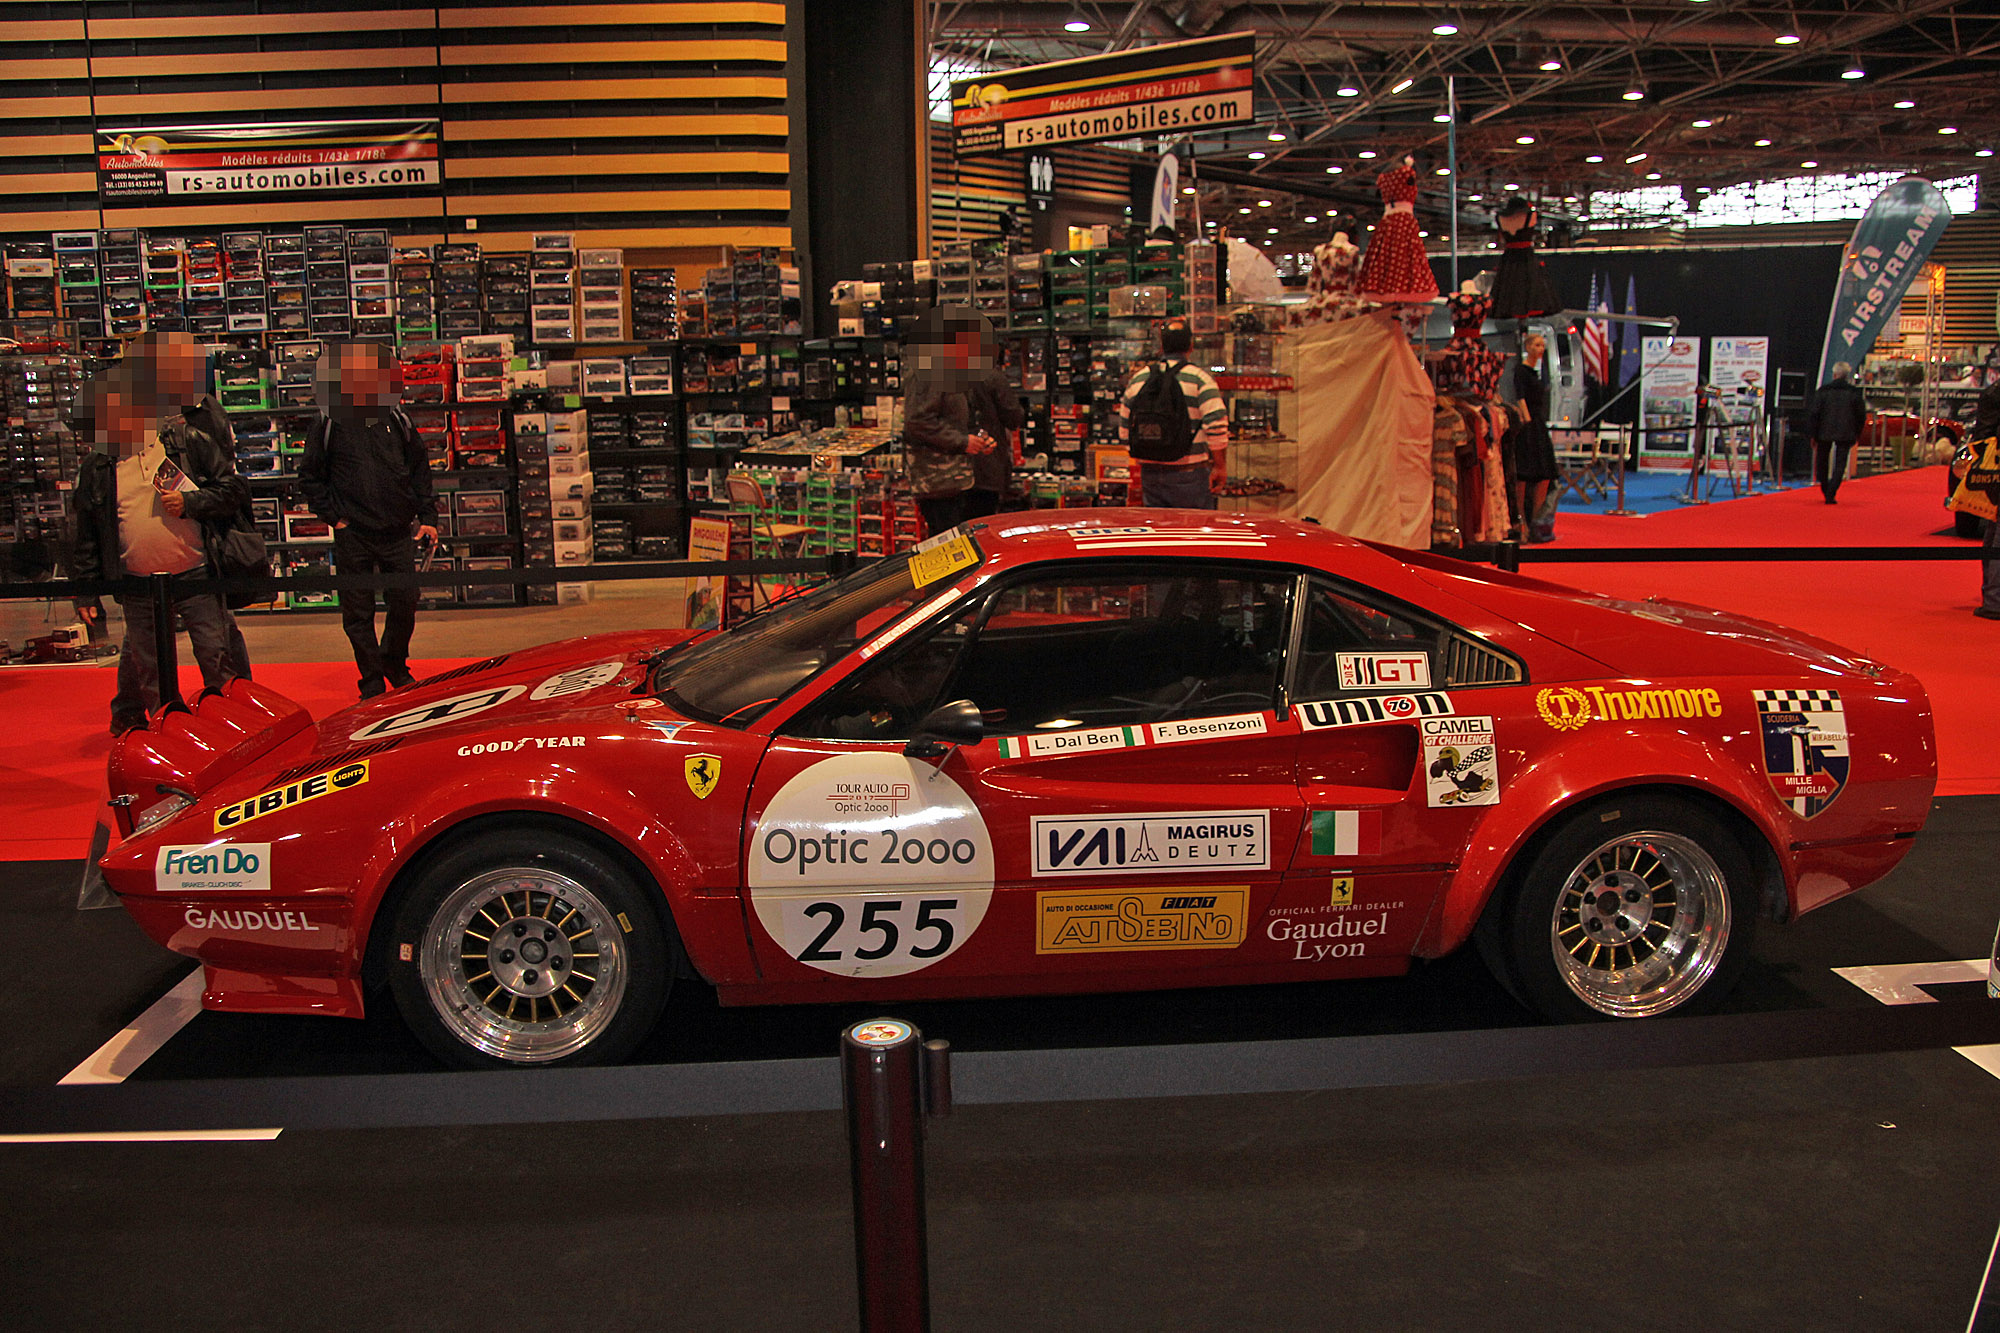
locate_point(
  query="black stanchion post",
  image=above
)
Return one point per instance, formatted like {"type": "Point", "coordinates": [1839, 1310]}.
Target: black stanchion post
{"type": "Point", "coordinates": [879, 1063]}
{"type": "Point", "coordinates": [163, 640]}
{"type": "Point", "coordinates": [1507, 555]}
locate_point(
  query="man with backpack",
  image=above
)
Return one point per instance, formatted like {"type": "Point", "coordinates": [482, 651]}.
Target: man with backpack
{"type": "Point", "coordinates": [1173, 423]}
{"type": "Point", "coordinates": [366, 473]}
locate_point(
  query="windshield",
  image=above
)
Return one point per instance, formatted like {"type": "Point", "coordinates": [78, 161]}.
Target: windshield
{"type": "Point", "coordinates": [736, 676]}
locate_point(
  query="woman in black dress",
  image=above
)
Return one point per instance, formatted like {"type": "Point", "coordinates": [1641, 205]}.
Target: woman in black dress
{"type": "Point", "coordinates": [1534, 451]}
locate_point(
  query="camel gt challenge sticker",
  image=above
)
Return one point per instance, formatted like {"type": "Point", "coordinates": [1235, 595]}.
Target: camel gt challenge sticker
{"type": "Point", "coordinates": [1805, 746]}
{"type": "Point", "coordinates": [870, 865]}
{"type": "Point", "coordinates": [1460, 764]}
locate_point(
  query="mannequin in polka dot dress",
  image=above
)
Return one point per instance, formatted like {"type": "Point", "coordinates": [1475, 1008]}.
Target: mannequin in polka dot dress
{"type": "Point", "coordinates": [1395, 268]}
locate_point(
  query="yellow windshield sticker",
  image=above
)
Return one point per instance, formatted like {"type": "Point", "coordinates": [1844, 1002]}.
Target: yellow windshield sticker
{"type": "Point", "coordinates": [952, 553]}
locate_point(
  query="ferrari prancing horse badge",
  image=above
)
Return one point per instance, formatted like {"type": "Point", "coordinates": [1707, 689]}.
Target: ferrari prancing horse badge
{"type": "Point", "coordinates": [703, 771]}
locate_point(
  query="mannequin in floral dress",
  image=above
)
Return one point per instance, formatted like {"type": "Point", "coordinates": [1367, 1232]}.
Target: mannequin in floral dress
{"type": "Point", "coordinates": [1331, 293]}
{"type": "Point", "coordinates": [1469, 365]}
{"type": "Point", "coordinates": [1395, 268]}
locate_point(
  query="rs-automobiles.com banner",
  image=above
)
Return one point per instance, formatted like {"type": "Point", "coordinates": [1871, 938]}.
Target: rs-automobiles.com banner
{"type": "Point", "coordinates": [189, 162]}
{"type": "Point", "coordinates": [1178, 88]}
{"type": "Point", "coordinates": [1889, 246]}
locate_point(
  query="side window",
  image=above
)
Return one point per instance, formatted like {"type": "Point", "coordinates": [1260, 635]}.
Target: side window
{"type": "Point", "coordinates": [887, 698]}
{"type": "Point", "coordinates": [1356, 643]}
{"type": "Point", "coordinates": [1126, 645]}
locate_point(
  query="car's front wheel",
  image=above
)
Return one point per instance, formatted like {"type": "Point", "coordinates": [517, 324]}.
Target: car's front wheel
{"type": "Point", "coordinates": [526, 948]}
{"type": "Point", "coordinates": [1631, 909]}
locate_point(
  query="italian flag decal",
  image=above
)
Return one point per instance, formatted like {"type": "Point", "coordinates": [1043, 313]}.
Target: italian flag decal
{"type": "Point", "coordinates": [1346, 832]}
{"type": "Point", "coordinates": [1069, 742]}
{"type": "Point", "coordinates": [1010, 747]}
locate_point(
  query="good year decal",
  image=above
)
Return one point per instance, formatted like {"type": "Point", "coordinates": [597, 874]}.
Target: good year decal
{"type": "Point", "coordinates": [870, 865]}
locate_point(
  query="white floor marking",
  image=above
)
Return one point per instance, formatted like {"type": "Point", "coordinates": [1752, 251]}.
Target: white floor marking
{"type": "Point", "coordinates": [114, 1061]}
{"type": "Point", "coordinates": [1903, 983]}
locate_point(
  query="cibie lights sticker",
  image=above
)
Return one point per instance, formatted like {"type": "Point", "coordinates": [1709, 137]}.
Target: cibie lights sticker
{"type": "Point", "coordinates": [577, 680]}
{"type": "Point", "coordinates": [870, 865]}
{"type": "Point", "coordinates": [239, 813]}
{"type": "Point", "coordinates": [425, 716]}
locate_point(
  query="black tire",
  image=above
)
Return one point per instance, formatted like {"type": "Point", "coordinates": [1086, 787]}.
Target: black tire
{"type": "Point", "coordinates": [460, 980]}
{"type": "Point", "coordinates": [1657, 889]}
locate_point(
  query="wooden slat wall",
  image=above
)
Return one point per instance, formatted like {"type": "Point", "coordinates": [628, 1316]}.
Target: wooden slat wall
{"type": "Point", "coordinates": [968, 197]}
{"type": "Point", "coordinates": [648, 126]}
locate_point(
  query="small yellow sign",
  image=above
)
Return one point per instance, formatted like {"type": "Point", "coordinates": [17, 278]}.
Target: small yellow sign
{"type": "Point", "coordinates": [1343, 891]}
{"type": "Point", "coordinates": [930, 563]}
{"type": "Point", "coordinates": [1098, 922]}
{"type": "Point", "coordinates": [703, 772]}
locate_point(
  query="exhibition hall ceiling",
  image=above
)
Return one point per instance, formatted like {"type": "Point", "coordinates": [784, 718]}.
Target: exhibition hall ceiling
{"type": "Point", "coordinates": [1561, 99]}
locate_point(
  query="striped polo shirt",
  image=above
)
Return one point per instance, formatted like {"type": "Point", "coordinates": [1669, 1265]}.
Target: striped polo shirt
{"type": "Point", "coordinates": [1206, 412]}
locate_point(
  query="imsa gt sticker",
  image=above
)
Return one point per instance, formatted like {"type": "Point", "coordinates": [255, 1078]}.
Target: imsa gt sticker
{"type": "Point", "coordinates": [1325, 713]}
{"type": "Point", "coordinates": [1383, 671]}
{"type": "Point", "coordinates": [1152, 844]}
{"type": "Point", "coordinates": [1805, 746]}
{"type": "Point", "coordinates": [1092, 922]}
{"type": "Point", "coordinates": [1460, 763]}
{"type": "Point", "coordinates": [291, 794]}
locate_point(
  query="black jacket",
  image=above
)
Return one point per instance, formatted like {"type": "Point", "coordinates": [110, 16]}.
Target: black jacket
{"type": "Point", "coordinates": [376, 480]}
{"type": "Point", "coordinates": [941, 412]}
{"type": "Point", "coordinates": [220, 499]}
{"type": "Point", "coordinates": [1838, 411]}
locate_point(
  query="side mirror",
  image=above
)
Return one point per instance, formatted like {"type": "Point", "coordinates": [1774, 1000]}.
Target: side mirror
{"type": "Point", "coordinates": [947, 725]}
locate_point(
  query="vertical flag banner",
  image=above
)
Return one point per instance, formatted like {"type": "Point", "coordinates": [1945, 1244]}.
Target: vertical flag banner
{"type": "Point", "coordinates": [1595, 340]}
{"type": "Point", "coordinates": [1629, 356]}
{"type": "Point", "coordinates": [1889, 246]}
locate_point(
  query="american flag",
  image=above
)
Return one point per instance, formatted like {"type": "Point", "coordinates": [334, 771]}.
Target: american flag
{"type": "Point", "coordinates": [1596, 336]}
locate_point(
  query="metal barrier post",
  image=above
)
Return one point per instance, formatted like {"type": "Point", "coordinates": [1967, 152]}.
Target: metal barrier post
{"type": "Point", "coordinates": [163, 639]}
{"type": "Point", "coordinates": [881, 1084]}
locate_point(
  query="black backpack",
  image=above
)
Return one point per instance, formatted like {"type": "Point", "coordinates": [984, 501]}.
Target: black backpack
{"type": "Point", "coordinates": [1160, 430]}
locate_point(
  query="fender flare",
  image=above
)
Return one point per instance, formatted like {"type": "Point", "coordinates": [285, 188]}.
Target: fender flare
{"type": "Point", "coordinates": [1540, 796]}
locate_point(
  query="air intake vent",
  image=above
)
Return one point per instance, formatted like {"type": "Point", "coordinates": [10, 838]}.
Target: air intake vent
{"type": "Point", "coordinates": [1469, 662]}
{"type": "Point", "coordinates": [337, 761]}
{"type": "Point", "coordinates": [469, 669]}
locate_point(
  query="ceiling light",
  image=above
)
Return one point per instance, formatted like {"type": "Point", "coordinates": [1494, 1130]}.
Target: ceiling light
{"type": "Point", "coordinates": [1550, 64]}
{"type": "Point", "coordinates": [1444, 29]}
{"type": "Point", "coordinates": [1077, 23]}
{"type": "Point", "coordinates": [1763, 143]}
{"type": "Point", "coordinates": [1421, 233]}
{"type": "Point", "coordinates": [1703, 123]}
{"type": "Point", "coordinates": [1569, 198]}
{"type": "Point", "coordinates": [1347, 90]}
{"type": "Point", "coordinates": [1511, 185]}
{"type": "Point", "coordinates": [1334, 171]}
{"type": "Point", "coordinates": [1263, 203]}
{"type": "Point", "coordinates": [1905, 105]}
{"type": "Point", "coordinates": [1947, 129]}
{"type": "Point", "coordinates": [1444, 171]}
{"type": "Point", "coordinates": [1366, 155]}
{"type": "Point", "coordinates": [1312, 217]}
{"type": "Point", "coordinates": [1475, 198]}
{"type": "Point", "coordinates": [1652, 175]}
{"type": "Point", "coordinates": [1276, 135]}
{"type": "Point", "coordinates": [1634, 94]}
{"type": "Point", "coordinates": [1401, 86]}
{"type": "Point", "coordinates": [1984, 152]}
{"type": "Point", "coordinates": [1595, 157]}
{"type": "Point", "coordinates": [1809, 164]}
{"type": "Point", "coordinates": [1524, 139]}
{"type": "Point", "coordinates": [1788, 39]}
{"type": "Point", "coordinates": [1187, 189]}
{"type": "Point", "coordinates": [1636, 157]}
{"type": "Point", "coordinates": [1259, 155]}
{"type": "Point", "coordinates": [1854, 71]}
{"type": "Point", "coordinates": [1267, 240]}
{"type": "Point", "coordinates": [1272, 230]}
{"type": "Point", "coordinates": [1243, 210]}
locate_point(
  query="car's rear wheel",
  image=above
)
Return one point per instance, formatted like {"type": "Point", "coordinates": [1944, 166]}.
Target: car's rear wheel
{"type": "Point", "coordinates": [529, 949]}
{"type": "Point", "coordinates": [1630, 910]}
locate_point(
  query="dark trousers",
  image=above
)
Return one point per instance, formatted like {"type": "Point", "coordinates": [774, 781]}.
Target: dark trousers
{"type": "Point", "coordinates": [1989, 569]}
{"type": "Point", "coordinates": [945, 512]}
{"type": "Point", "coordinates": [1165, 486]}
{"type": "Point", "coordinates": [1830, 464]}
{"type": "Point", "coordinates": [359, 551]}
{"type": "Point", "coordinates": [207, 627]}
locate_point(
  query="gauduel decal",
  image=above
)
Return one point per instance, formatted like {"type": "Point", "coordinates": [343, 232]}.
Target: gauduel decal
{"type": "Point", "coordinates": [425, 716]}
{"type": "Point", "coordinates": [242, 866]}
{"type": "Point", "coordinates": [1805, 746]}
{"type": "Point", "coordinates": [1567, 708]}
{"type": "Point", "coordinates": [292, 793]}
{"type": "Point", "coordinates": [1323, 713]}
{"type": "Point", "coordinates": [577, 680]}
{"type": "Point", "coordinates": [870, 865]}
{"type": "Point", "coordinates": [1343, 936]}
{"type": "Point", "coordinates": [1383, 671]}
{"type": "Point", "coordinates": [1152, 844]}
{"type": "Point", "coordinates": [1461, 766]}
{"type": "Point", "coordinates": [1346, 832]}
{"type": "Point", "coordinates": [1133, 920]}
{"type": "Point", "coordinates": [249, 919]}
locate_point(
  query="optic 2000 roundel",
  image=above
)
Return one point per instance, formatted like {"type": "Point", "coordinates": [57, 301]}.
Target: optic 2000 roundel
{"type": "Point", "coordinates": [871, 865]}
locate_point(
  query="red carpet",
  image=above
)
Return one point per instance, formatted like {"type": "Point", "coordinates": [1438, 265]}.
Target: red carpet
{"type": "Point", "coordinates": [1911, 614]}
{"type": "Point", "coordinates": [52, 755]}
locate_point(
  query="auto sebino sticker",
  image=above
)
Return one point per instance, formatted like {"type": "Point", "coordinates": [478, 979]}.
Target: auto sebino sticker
{"type": "Point", "coordinates": [1089, 921]}
{"type": "Point", "coordinates": [870, 865]}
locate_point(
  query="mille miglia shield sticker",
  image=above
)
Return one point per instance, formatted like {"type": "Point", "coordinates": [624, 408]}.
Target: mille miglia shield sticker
{"type": "Point", "coordinates": [1805, 746]}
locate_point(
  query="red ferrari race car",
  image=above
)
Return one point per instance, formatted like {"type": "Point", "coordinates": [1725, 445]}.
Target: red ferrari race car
{"type": "Point", "coordinates": [1116, 750]}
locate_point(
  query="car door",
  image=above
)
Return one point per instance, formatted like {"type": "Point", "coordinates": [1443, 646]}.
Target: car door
{"type": "Point", "coordinates": [1396, 761]}
{"type": "Point", "coordinates": [1129, 811]}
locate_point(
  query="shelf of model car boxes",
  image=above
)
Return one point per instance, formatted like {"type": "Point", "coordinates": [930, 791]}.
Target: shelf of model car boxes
{"type": "Point", "coordinates": [39, 457]}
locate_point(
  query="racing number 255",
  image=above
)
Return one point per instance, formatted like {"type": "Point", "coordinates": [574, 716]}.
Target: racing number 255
{"type": "Point", "coordinates": [879, 918]}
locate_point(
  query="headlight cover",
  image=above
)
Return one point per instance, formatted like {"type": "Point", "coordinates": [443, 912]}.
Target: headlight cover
{"type": "Point", "coordinates": [160, 812]}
